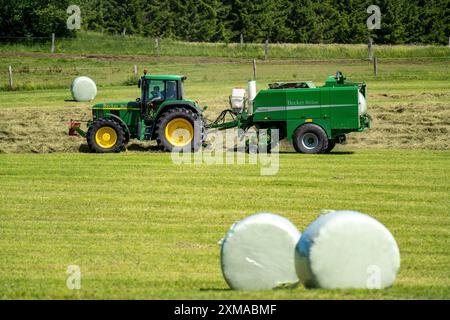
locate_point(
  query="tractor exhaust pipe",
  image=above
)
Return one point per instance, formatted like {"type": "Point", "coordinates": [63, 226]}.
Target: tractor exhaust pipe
{"type": "Point", "coordinates": [251, 95]}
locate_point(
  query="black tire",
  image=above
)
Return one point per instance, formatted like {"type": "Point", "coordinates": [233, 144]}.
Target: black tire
{"type": "Point", "coordinates": [331, 145]}
{"type": "Point", "coordinates": [199, 133]}
{"type": "Point", "coordinates": [105, 123]}
{"type": "Point", "coordinates": [125, 130]}
{"type": "Point", "coordinates": [310, 138]}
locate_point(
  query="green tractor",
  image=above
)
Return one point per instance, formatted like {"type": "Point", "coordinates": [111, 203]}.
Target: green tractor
{"type": "Point", "coordinates": [313, 118]}
{"type": "Point", "coordinates": [161, 113]}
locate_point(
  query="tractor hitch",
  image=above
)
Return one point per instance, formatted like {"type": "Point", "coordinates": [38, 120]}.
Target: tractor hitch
{"type": "Point", "coordinates": [75, 130]}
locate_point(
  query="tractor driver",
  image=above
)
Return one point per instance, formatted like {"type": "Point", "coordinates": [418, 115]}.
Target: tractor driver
{"type": "Point", "coordinates": [156, 93]}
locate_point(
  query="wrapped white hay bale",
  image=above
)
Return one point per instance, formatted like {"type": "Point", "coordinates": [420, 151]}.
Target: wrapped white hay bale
{"type": "Point", "coordinates": [258, 253]}
{"type": "Point", "coordinates": [347, 249]}
{"type": "Point", "coordinates": [83, 89]}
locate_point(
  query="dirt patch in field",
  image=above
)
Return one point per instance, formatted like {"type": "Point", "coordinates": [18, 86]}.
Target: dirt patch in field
{"type": "Point", "coordinates": [203, 60]}
{"type": "Point", "coordinates": [407, 126]}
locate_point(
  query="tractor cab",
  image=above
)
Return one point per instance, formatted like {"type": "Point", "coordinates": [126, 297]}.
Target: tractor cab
{"type": "Point", "coordinates": [156, 89]}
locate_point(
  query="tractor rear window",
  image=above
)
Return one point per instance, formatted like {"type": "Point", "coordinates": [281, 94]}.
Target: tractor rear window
{"type": "Point", "coordinates": [171, 90]}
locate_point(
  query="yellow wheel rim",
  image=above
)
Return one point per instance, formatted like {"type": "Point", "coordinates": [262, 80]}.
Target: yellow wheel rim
{"type": "Point", "coordinates": [106, 137]}
{"type": "Point", "coordinates": [179, 132]}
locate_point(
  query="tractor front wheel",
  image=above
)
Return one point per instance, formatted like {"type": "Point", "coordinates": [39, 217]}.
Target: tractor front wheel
{"type": "Point", "coordinates": [310, 138]}
{"type": "Point", "coordinates": [106, 136]}
{"type": "Point", "coordinates": [180, 128]}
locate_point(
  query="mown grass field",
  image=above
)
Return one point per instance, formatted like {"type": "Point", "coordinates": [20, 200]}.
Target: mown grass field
{"type": "Point", "coordinates": [140, 226]}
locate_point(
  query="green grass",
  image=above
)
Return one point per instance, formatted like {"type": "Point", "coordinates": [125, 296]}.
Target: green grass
{"type": "Point", "coordinates": [97, 43]}
{"type": "Point", "coordinates": [142, 227]}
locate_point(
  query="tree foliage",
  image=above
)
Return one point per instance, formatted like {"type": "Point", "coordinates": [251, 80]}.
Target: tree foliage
{"type": "Point", "coordinates": [304, 21]}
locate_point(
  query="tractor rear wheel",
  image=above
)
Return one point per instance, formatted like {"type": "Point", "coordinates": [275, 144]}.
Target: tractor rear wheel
{"type": "Point", "coordinates": [310, 138]}
{"type": "Point", "coordinates": [106, 136]}
{"type": "Point", "coordinates": [180, 128]}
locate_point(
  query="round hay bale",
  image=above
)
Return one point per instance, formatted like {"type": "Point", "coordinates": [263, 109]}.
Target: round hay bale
{"type": "Point", "coordinates": [258, 253]}
{"type": "Point", "coordinates": [83, 89]}
{"type": "Point", "coordinates": [347, 249]}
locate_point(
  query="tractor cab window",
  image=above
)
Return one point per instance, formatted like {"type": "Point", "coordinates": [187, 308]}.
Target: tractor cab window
{"type": "Point", "coordinates": [156, 89]}
{"type": "Point", "coordinates": [161, 89]}
{"type": "Point", "coordinates": [171, 90]}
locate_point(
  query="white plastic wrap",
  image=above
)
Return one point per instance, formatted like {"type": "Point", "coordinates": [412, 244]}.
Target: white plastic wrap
{"type": "Point", "coordinates": [237, 98]}
{"type": "Point", "coordinates": [251, 95]}
{"type": "Point", "coordinates": [258, 253]}
{"type": "Point", "coordinates": [362, 104]}
{"type": "Point", "coordinates": [347, 249]}
{"type": "Point", "coordinates": [83, 89]}
{"type": "Point", "coordinates": [251, 89]}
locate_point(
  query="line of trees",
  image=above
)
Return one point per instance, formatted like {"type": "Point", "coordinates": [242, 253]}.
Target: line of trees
{"type": "Point", "coordinates": [296, 21]}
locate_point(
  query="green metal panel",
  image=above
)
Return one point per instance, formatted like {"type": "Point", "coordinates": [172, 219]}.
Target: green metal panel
{"type": "Point", "coordinates": [343, 108]}
{"type": "Point", "coordinates": [303, 103]}
{"type": "Point", "coordinates": [116, 105]}
{"type": "Point", "coordinates": [128, 112]}
{"type": "Point", "coordinates": [269, 105]}
{"type": "Point", "coordinates": [324, 111]}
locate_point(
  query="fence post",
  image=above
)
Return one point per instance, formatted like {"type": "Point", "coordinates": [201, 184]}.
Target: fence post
{"type": "Point", "coordinates": [266, 50]}
{"type": "Point", "coordinates": [135, 71]}
{"type": "Point", "coordinates": [242, 39]}
{"type": "Point", "coordinates": [53, 43]}
{"type": "Point", "coordinates": [10, 76]}
{"type": "Point", "coordinates": [449, 42]}
{"type": "Point", "coordinates": [369, 44]}
{"type": "Point", "coordinates": [254, 69]}
{"type": "Point", "coordinates": [157, 46]}
{"type": "Point", "coordinates": [375, 66]}
{"type": "Point", "coordinates": [124, 31]}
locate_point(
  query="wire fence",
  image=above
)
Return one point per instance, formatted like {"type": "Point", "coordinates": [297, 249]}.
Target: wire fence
{"type": "Point", "coordinates": [23, 76]}
{"type": "Point", "coordinates": [87, 43]}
